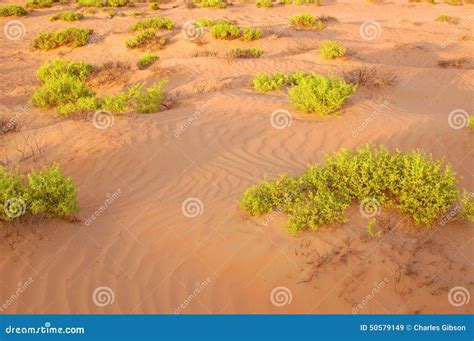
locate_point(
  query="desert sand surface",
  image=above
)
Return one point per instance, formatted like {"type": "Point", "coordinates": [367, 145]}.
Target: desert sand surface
{"type": "Point", "coordinates": [214, 141]}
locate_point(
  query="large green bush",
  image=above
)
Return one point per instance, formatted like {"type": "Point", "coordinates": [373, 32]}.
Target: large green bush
{"type": "Point", "coordinates": [71, 36]}
{"type": "Point", "coordinates": [224, 30]}
{"type": "Point", "coordinates": [410, 181]}
{"type": "Point", "coordinates": [52, 193]}
{"type": "Point", "coordinates": [319, 94]}
{"type": "Point", "coordinates": [9, 10]}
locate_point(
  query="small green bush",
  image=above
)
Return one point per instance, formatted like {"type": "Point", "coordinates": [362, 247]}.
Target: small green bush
{"type": "Point", "coordinates": [332, 49]}
{"type": "Point", "coordinates": [249, 33]}
{"type": "Point", "coordinates": [205, 22]}
{"type": "Point", "coordinates": [154, 6]}
{"type": "Point", "coordinates": [471, 122]}
{"type": "Point", "coordinates": [446, 18]}
{"type": "Point", "coordinates": [146, 39]}
{"type": "Point", "coordinates": [319, 94]}
{"type": "Point", "coordinates": [223, 30]}
{"type": "Point", "coordinates": [9, 10]}
{"type": "Point", "coordinates": [66, 16]}
{"type": "Point", "coordinates": [146, 60]}
{"type": "Point", "coordinates": [254, 52]}
{"type": "Point", "coordinates": [52, 193]}
{"type": "Point", "coordinates": [117, 3]}
{"type": "Point", "coordinates": [411, 181]}
{"type": "Point", "coordinates": [212, 3]}
{"type": "Point", "coordinates": [372, 228]}
{"type": "Point", "coordinates": [72, 37]}
{"type": "Point", "coordinates": [306, 21]}
{"type": "Point", "coordinates": [80, 106]}
{"type": "Point", "coordinates": [92, 3]}
{"type": "Point", "coordinates": [40, 3]}
{"type": "Point", "coordinates": [269, 82]}
{"type": "Point", "coordinates": [467, 202]}
{"type": "Point", "coordinates": [12, 190]}
{"type": "Point", "coordinates": [155, 22]}
{"type": "Point", "coordinates": [264, 3]}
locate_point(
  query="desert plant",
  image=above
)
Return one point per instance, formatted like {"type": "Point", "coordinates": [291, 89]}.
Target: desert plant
{"type": "Point", "coordinates": [269, 82]}
{"type": "Point", "coordinates": [52, 193]}
{"type": "Point", "coordinates": [40, 3]}
{"type": "Point", "coordinates": [91, 3]}
{"type": "Point", "coordinates": [467, 202]}
{"type": "Point", "coordinates": [254, 52]}
{"type": "Point", "coordinates": [372, 228]}
{"type": "Point", "coordinates": [332, 49]}
{"type": "Point", "coordinates": [249, 33]}
{"type": "Point", "coordinates": [455, 63]}
{"type": "Point", "coordinates": [66, 16]}
{"type": "Point", "coordinates": [146, 60]}
{"type": "Point", "coordinates": [213, 3]}
{"type": "Point", "coordinates": [154, 6]}
{"type": "Point", "coordinates": [72, 37]}
{"type": "Point", "coordinates": [155, 22]}
{"type": "Point", "coordinates": [319, 94]}
{"type": "Point", "coordinates": [146, 39]}
{"type": "Point", "coordinates": [369, 77]}
{"type": "Point", "coordinates": [9, 10]}
{"type": "Point", "coordinates": [12, 194]}
{"type": "Point", "coordinates": [446, 18]}
{"type": "Point", "coordinates": [223, 30]}
{"type": "Point", "coordinates": [411, 181]}
{"type": "Point", "coordinates": [264, 3]}
{"type": "Point", "coordinates": [117, 3]}
{"type": "Point", "coordinates": [306, 21]}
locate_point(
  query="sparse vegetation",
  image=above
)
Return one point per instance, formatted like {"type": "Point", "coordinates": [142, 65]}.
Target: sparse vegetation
{"type": "Point", "coordinates": [456, 63]}
{"type": "Point", "coordinates": [146, 39]}
{"type": "Point", "coordinates": [72, 37]}
{"type": "Point", "coordinates": [102, 3]}
{"type": "Point", "coordinates": [146, 60]}
{"type": "Point", "coordinates": [155, 23]}
{"type": "Point", "coordinates": [251, 33]}
{"type": "Point", "coordinates": [47, 192]}
{"type": "Point", "coordinates": [264, 3]}
{"type": "Point", "coordinates": [413, 182]}
{"type": "Point", "coordinates": [212, 3]}
{"type": "Point", "coordinates": [268, 82]}
{"type": "Point", "coordinates": [446, 18]}
{"type": "Point", "coordinates": [66, 16]}
{"type": "Point", "coordinates": [10, 10]}
{"type": "Point", "coordinates": [372, 228]}
{"type": "Point", "coordinates": [322, 95]}
{"type": "Point", "coordinates": [467, 206]}
{"type": "Point", "coordinates": [154, 6]}
{"type": "Point", "coordinates": [369, 77]}
{"type": "Point", "coordinates": [224, 30]}
{"type": "Point", "coordinates": [254, 52]}
{"type": "Point", "coordinates": [40, 3]}
{"type": "Point", "coordinates": [332, 49]}
{"type": "Point", "coordinates": [306, 21]}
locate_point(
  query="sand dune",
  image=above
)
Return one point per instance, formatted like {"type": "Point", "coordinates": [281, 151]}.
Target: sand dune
{"type": "Point", "coordinates": [153, 257]}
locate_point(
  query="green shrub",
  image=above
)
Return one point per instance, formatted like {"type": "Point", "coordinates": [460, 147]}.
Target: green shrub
{"type": "Point", "coordinates": [9, 10]}
{"type": "Point", "coordinates": [251, 33]}
{"type": "Point", "coordinates": [467, 211]}
{"type": "Point", "coordinates": [213, 3]}
{"type": "Point", "coordinates": [80, 106]}
{"type": "Point", "coordinates": [372, 228]}
{"type": "Point", "coordinates": [332, 49]}
{"type": "Point", "coordinates": [446, 18]}
{"type": "Point", "coordinates": [306, 21]}
{"type": "Point", "coordinates": [63, 83]}
{"type": "Point", "coordinates": [471, 122]}
{"type": "Point", "coordinates": [411, 181]}
{"type": "Point", "coordinates": [146, 60]}
{"type": "Point", "coordinates": [72, 37]}
{"type": "Point", "coordinates": [155, 22]}
{"type": "Point", "coordinates": [154, 6]}
{"type": "Point", "coordinates": [40, 3]}
{"type": "Point", "coordinates": [205, 22]}
{"type": "Point", "coordinates": [254, 52]}
{"type": "Point", "coordinates": [146, 39]}
{"type": "Point", "coordinates": [92, 3]}
{"type": "Point", "coordinates": [66, 16]}
{"type": "Point", "coordinates": [269, 82]}
{"type": "Point", "coordinates": [12, 194]}
{"type": "Point", "coordinates": [319, 94]}
{"type": "Point", "coordinates": [264, 3]}
{"type": "Point", "coordinates": [223, 30]}
{"type": "Point", "coordinates": [52, 193]}
{"type": "Point", "coordinates": [117, 3]}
